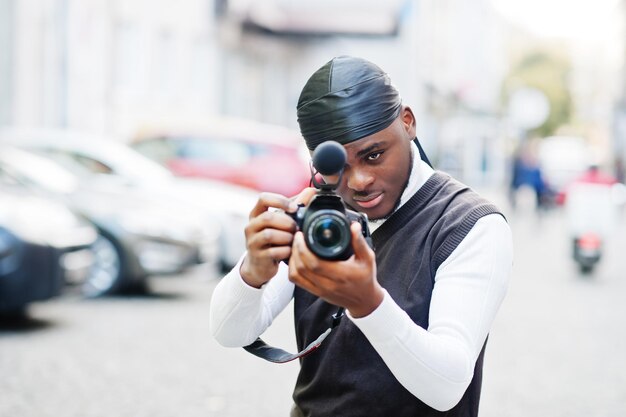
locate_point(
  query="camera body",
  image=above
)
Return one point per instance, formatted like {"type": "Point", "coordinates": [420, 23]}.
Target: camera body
{"type": "Point", "coordinates": [326, 221]}
{"type": "Point", "coordinates": [325, 224]}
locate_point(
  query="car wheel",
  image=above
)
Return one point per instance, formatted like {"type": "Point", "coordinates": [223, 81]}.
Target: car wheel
{"type": "Point", "coordinates": [106, 272]}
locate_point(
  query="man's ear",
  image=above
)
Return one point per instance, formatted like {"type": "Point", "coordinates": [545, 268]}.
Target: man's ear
{"type": "Point", "coordinates": [408, 121]}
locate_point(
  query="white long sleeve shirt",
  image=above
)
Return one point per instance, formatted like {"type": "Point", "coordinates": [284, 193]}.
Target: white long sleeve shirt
{"type": "Point", "coordinates": [435, 364]}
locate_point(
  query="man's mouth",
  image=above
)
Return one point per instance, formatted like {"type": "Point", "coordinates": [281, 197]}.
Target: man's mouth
{"type": "Point", "coordinates": [369, 201]}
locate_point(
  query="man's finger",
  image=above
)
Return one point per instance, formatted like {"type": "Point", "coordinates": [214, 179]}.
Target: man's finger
{"type": "Point", "coordinates": [305, 196]}
{"type": "Point", "coordinates": [272, 200]}
{"type": "Point", "coordinates": [300, 245]}
{"type": "Point", "coordinates": [273, 220]}
{"type": "Point", "coordinates": [313, 268]}
{"type": "Point", "coordinates": [359, 244]}
{"type": "Point", "coordinates": [298, 271]}
{"type": "Point", "coordinates": [270, 237]}
{"type": "Point", "coordinates": [278, 253]}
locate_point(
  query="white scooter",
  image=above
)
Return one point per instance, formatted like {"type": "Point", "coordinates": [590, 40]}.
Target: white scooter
{"type": "Point", "coordinates": [592, 212]}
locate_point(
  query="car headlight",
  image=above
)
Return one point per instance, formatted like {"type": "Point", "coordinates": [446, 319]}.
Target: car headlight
{"type": "Point", "coordinates": [181, 226]}
{"type": "Point", "coordinates": [59, 228]}
{"type": "Point", "coordinates": [161, 257]}
{"type": "Point", "coordinates": [152, 224]}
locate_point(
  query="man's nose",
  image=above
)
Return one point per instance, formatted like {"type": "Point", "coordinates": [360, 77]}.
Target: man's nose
{"type": "Point", "coordinates": [359, 180]}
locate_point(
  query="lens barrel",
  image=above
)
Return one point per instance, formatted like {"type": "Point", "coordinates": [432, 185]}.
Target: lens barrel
{"type": "Point", "coordinates": [327, 233]}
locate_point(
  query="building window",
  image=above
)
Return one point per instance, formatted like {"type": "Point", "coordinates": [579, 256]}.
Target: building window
{"type": "Point", "coordinates": [126, 52]}
{"type": "Point", "coordinates": [7, 13]}
{"type": "Point", "coordinates": [201, 72]}
{"type": "Point", "coordinates": [164, 60]}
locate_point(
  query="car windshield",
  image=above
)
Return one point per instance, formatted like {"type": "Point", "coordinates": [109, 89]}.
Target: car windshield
{"type": "Point", "coordinates": [129, 163]}
{"type": "Point", "coordinates": [229, 152]}
{"type": "Point", "coordinates": [107, 158]}
{"type": "Point", "coordinates": [32, 169]}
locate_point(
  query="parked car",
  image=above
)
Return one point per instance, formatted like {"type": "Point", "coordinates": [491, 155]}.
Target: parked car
{"type": "Point", "coordinates": [43, 245]}
{"type": "Point", "coordinates": [138, 236]}
{"type": "Point", "coordinates": [259, 156]}
{"type": "Point", "coordinates": [102, 156]}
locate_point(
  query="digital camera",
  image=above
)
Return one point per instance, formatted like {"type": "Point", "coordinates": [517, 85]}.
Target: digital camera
{"type": "Point", "coordinates": [325, 222]}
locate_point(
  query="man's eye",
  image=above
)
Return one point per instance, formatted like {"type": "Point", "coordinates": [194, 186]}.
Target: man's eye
{"type": "Point", "coordinates": [374, 156]}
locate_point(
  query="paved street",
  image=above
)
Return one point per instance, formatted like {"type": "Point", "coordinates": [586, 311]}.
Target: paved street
{"type": "Point", "coordinates": [558, 347]}
{"type": "Point", "coordinates": [135, 356]}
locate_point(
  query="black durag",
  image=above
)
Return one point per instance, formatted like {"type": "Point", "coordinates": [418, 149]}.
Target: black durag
{"type": "Point", "coordinates": [347, 99]}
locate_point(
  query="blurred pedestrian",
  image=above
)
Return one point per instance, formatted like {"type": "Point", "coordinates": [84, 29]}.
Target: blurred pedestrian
{"type": "Point", "coordinates": [620, 174]}
{"type": "Point", "coordinates": [527, 172]}
{"type": "Point", "coordinates": [419, 306]}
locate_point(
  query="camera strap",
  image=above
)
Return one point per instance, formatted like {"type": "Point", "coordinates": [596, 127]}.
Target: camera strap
{"type": "Point", "coordinates": [272, 354]}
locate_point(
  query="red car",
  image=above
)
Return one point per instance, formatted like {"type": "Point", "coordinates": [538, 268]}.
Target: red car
{"type": "Point", "coordinates": [257, 156]}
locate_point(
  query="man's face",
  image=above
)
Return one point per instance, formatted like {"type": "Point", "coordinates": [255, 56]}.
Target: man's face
{"type": "Point", "coordinates": [377, 168]}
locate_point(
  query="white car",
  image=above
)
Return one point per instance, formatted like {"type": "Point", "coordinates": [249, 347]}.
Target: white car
{"type": "Point", "coordinates": [138, 236]}
{"type": "Point", "coordinates": [110, 157]}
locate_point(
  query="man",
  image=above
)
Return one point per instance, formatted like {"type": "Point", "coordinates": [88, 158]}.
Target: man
{"type": "Point", "coordinates": [420, 304]}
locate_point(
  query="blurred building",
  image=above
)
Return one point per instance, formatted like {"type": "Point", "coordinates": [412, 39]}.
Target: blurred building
{"type": "Point", "coordinates": [619, 115]}
{"type": "Point", "coordinates": [462, 61]}
{"type": "Point", "coordinates": [116, 66]}
{"type": "Point", "coordinates": [428, 48]}
{"type": "Point", "coordinates": [105, 65]}
{"type": "Point", "coordinates": [598, 85]}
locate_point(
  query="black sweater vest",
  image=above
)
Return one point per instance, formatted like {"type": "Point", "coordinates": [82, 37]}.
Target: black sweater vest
{"type": "Point", "coordinates": [346, 376]}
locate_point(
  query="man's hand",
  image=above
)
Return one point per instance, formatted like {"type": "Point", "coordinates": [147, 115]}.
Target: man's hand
{"type": "Point", "coordinates": [351, 283]}
{"type": "Point", "coordinates": [269, 235]}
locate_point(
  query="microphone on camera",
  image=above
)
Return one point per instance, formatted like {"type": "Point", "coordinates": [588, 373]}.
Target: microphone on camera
{"type": "Point", "coordinates": [329, 158]}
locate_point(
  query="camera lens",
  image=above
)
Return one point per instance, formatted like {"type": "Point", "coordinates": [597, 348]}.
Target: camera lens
{"type": "Point", "coordinates": [327, 234]}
